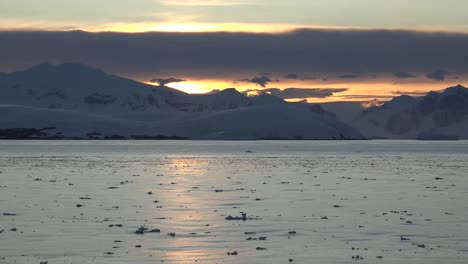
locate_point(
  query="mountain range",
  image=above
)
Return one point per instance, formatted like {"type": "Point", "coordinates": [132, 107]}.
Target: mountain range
{"type": "Point", "coordinates": [77, 101]}
{"type": "Point", "coordinates": [437, 115]}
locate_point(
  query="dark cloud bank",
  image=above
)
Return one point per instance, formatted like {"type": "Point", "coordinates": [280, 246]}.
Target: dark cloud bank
{"type": "Point", "coordinates": [243, 54]}
{"type": "Point", "coordinates": [438, 75]}
{"type": "Point", "coordinates": [404, 75]}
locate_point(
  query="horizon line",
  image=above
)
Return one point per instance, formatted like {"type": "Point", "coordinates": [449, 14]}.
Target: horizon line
{"type": "Point", "coordinates": [240, 28]}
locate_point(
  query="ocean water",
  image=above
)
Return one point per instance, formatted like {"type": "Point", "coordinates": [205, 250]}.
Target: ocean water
{"type": "Point", "coordinates": [304, 202]}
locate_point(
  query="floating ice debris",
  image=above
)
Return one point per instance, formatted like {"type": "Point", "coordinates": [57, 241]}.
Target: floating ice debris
{"type": "Point", "coordinates": [9, 214]}
{"type": "Point", "coordinates": [141, 230]}
{"type": "Point", "coordinates": [243, 217]}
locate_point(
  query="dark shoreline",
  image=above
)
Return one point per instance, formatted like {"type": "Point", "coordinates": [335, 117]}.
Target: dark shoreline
{"type": "Point", "coordinates": [43, 134]}
{"type": "Point", "coordinates": [189, 139]}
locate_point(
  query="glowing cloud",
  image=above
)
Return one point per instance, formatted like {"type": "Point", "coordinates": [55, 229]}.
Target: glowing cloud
{"type": "Point", "coordinates": [200, 2]}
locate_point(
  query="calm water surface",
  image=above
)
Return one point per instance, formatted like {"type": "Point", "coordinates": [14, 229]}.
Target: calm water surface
{"type": "Point", "coordinates": [311, 201]}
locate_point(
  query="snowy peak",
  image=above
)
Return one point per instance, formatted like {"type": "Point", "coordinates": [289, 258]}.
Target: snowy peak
{"type": "Point", "coordinates": [63, 69]}
{"type": "Point", "coordinates": [79, 87]}
{"type": "Point", "coordinates": [61, 74]}
{"type": "Point", "coordinates": [222, 100]}
{"type": "Point", "coordinates": [440, 113]}
{"type": "Point", "coordinates": [266, 99]}
{"type": "Point", "coordinates": [400, 102]}
{"type": "Point", "coordinates": [77, 76]}
{"type": "Point", "coordinates": [459, 89]}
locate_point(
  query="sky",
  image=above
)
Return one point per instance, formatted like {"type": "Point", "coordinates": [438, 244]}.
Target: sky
{"type": "Point", "coordinates": [363, 49]}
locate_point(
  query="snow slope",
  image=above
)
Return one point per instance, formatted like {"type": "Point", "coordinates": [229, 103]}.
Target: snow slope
{"type": "Point", "coordinates": [259, 122]}
{"type": "Point", "coordinates": [70, 123]}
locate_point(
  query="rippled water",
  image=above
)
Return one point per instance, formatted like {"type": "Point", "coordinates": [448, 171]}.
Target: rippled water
{"type": "Point", "coordinates": [342, 199]}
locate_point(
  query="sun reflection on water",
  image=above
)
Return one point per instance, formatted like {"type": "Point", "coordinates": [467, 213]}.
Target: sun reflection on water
{"type": "Point", "coordinates": [189, 203]}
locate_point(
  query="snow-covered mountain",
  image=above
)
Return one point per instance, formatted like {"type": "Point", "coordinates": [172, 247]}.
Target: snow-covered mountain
{"type": "Point", "coordinates": [78, 101]}
{"type": "Point", "coordinates": [286, 121]}
{"type": "Point", "coordinates": [81, 88]}
{"type": "Point", "coordinates": [441, 115]}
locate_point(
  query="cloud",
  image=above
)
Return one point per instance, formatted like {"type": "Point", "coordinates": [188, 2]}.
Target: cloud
{"type": "Point", "coordinates": [349, 76]}
{"type": "Point", "coordinates": [296, 76]}
{"type": "Point", "coordinates": [404, 75]}
{"type": "Point", "coordinates": [262, 81]}
{"type": "Point", "coordinates": [232, 56]}
{"type": "Point", "coordinates": [298, 93]}
{"type": "Point", "coordinates": [355, 75]}
{"type": "Point", "coordinates": [367, 96]}
{"type": "Point", "coordinates": [201, 2]}
{"type": "Point", "coordinates": [293, 76]}
{"type": "Point", "coordinates": [410, 93]}
{"type": "Point", "coordinates": [164, 81]}
{"type": "Point", "coordinates": [438, 75]}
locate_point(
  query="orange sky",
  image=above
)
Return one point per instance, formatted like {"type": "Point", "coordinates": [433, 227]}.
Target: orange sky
{"type": "Point", "coordinates": [358, 91]}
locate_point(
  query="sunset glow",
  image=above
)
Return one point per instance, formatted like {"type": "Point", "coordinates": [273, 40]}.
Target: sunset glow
{"type": "Point", "coordinates": [192, 26]}
{"type": "Point", "coordinates": [357, 91]}
{"type": "Point", "coordinates": [219, 44]}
